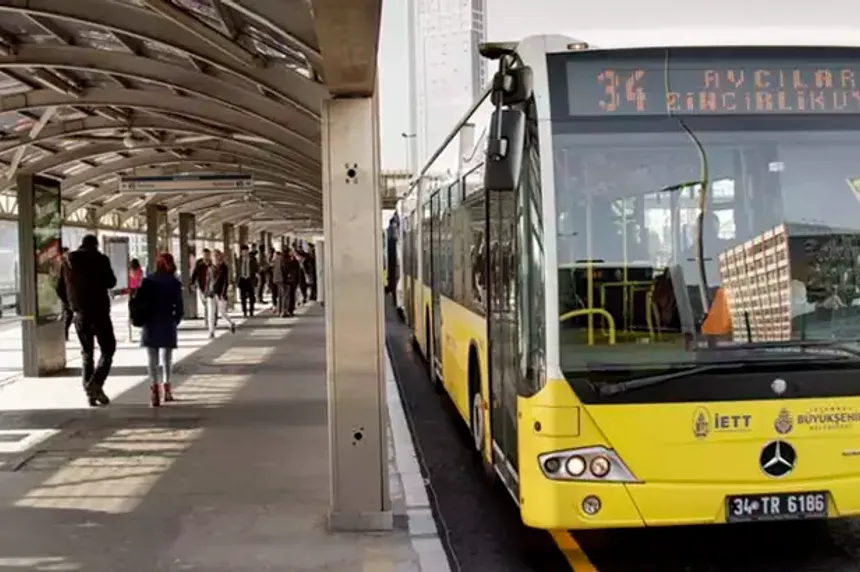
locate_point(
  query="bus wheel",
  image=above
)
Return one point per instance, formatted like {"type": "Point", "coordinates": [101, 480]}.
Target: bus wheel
{"type": "Point", "coordinates": [477, 422]}
{"type": "Point", "coordinates": [430, 358]}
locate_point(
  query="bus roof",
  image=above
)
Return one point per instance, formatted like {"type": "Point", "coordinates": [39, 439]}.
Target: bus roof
{"type": "Point", "coordinates": [712, 36]}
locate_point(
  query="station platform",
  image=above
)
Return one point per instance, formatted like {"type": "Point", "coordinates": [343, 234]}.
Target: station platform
{"type": "Point", "coordinates": [233, 477]}
{"type": "Point", "coordinates": [58, 392]}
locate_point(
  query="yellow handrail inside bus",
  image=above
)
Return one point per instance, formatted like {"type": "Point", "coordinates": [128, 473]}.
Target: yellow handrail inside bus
{"type": "Point", "coordinates": [651, 316]}
{"type": "Point", "coordinates": [591, 312]}
{"type": "Point", "coordinates": [629, 287]}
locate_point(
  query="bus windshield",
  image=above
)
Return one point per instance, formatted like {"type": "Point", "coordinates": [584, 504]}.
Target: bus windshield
{"type": "Point", "coordinates": [764, 155]}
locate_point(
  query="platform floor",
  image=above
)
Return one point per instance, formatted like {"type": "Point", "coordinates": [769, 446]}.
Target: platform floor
{"type": "Point", "coordinates": [231, 478]}
{"type": "Point", "coordinates": [56, 392]}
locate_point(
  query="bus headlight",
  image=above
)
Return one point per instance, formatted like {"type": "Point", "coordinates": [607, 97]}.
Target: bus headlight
{"type": "Point", "coordinates": [600, 466]}
{"type": "Point", "coordinates": [586, 464]}
{"type": "Point", "coordinates": [575, 466]}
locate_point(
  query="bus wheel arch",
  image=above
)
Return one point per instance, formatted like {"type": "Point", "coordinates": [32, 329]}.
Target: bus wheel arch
{"type": "Point", "coordinates": [477, 418]}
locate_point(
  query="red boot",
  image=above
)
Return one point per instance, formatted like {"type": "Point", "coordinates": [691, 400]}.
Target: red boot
{"type": "Point", "coordinates": [154, 395]}
{"type": "Point", "coordinates": [168, 393]}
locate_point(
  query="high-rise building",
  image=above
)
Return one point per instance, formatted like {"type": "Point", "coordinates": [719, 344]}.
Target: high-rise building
{"type": "Point", "coordinates": [448, 72]}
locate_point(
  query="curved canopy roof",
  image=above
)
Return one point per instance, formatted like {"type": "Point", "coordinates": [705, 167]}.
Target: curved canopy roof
{"type": "Point", "coordinates": [92, 89]}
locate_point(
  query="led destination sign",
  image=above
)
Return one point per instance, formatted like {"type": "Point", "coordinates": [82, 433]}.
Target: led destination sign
{"type": "Point", "coordinates": [716, 86]}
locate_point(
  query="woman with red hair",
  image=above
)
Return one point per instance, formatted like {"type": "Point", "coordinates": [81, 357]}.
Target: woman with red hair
{"type": "Point", "coordinates": [161, 299]}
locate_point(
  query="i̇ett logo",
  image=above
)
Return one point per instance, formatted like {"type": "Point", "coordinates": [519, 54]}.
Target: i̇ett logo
{"type": "Point", "coordinates": [704, 422]}
{"type": "Point", "coordinates": [784, 423]}
{"type": "Point", "coordinates": [701, 423]}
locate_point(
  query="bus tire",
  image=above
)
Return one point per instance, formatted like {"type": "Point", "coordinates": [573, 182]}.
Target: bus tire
{"type": "Point", "coordinates": [477, 419]}
{"type": "Point", "coordinates": [428, 351]}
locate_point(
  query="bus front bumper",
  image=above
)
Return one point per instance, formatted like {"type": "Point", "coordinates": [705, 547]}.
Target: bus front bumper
{"type": "Point", "coordinates": [570, 505]}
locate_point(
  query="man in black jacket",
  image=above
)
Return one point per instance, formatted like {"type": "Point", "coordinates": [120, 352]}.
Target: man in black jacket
{"type": "Point", "coordinates": [217, 290]}
{"type": "Point", "coordinates": [87, 279]}
{"type": "Point", "coordinates": [199, 276]}
{"type": "Point", "coordinates": [291, 270]}
{"type": "Point", "coordinates": [247, 269]}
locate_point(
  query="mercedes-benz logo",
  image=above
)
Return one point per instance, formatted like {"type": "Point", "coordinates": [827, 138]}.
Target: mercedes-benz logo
{"type": "Point", "coordinates": [777, 459]}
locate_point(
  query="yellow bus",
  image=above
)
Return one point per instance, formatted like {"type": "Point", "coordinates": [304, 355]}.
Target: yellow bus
{"type": "Point", "coordinates": [636, 272]}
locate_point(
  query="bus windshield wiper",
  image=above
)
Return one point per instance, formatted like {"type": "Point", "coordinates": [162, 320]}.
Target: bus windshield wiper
{"type": "Point", "coordinates": [833, 345]}
{"type": "Point", "coordinates": [734, 362]}
{"type": "Point", "coordinates": [650, 380]}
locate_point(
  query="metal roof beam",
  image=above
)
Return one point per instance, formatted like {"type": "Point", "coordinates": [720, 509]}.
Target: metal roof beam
{"type": "Point", "coordinates": [148, 25]}
{"type": "Point", "coordinates": [222, 161]}
{"type": "Point", "coordinates": [312, 54]}
{"type": "Point", "coordinates": [298, 131]}
{"type": "Point", "coordinates": [238, 160]}
{"type": "Point", "coordinates": [84, 152]}
{"type": "Point", "coordinates": [82, 127]}
{"type": "Point", "coordinates": [189, 107]}
{"type": "Point", "coordinates": [199, 201]}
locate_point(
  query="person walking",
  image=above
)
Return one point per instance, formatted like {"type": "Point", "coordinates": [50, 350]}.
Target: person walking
{"type": "Point", "coordinates": [161, 297]}
{"type": "Point", "coordinates": [262, 274]}
{"type": "Point", "coordinates": [245, 276]}
{"type": "Point", "coordinates": [291, 270]}
{"type": "Point", "coordinates": [217, 290]}
{"type": "Point", "coordinates": [303, 279]}
{"type": "Point", "coordinates": [199, 278]}
{"type": "Point", "coordinates": [87, 278]}
{"type": "Point", "coordinates": [310, 267]}
{"type": "Point", "coordinates": [279, 279]}
{"type": "Point", "coordinates": [135, 278]}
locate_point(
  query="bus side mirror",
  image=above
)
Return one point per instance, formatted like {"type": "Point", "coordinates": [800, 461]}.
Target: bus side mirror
{"type": "Point", "coordinates": [505, 151]}
{"type": "Point", "coordinates": [512, 87]}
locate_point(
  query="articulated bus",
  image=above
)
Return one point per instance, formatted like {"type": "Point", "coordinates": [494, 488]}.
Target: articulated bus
{"type": "Point", "coordinates": [639, 281]}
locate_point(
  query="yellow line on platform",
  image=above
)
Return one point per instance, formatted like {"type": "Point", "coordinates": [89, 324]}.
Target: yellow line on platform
{"type": "Point", "coordinates": [572, 551]}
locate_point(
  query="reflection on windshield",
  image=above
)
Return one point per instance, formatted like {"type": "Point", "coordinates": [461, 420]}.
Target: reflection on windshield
{"type": "Point", "coordinates": [781, 238]}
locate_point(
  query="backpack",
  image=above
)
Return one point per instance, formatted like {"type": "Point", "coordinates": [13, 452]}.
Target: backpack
{"type": "Point", "coordinates": [137, 308]}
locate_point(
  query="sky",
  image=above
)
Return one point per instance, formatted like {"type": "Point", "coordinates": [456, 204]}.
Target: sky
{"type": "Point", "coordinates": [628, 21]}
{"type": "Point", "coordinates": [393, 84]}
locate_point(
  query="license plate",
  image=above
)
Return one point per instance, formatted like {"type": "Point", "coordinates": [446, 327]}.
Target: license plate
{"type": "Point", "coordinates": [783, 506]}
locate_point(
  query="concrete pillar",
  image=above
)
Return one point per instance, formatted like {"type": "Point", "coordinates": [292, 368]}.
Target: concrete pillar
{"type": "Point", "coordinates": [40, 231]}
{"type": "Point", "coordinates": [186, 258]}
{"type": "Point", "coordinates": [92, 220]}
{"type": "Point", "coordinates": [355, 372]}
{"type": "Point", "coordinates": [243, 235]}
{"type": "Point", "coordinates": [228, 240]}
{"type": "Point", "coordinates": [229, 250]}
{"type": "Point", "coordinates": [157, 234]}
{"type": "Point", "coordinates": [262, 245]}
{"type": "Point", "coordinates": [319, 252]}
{"type": "Point", "coordinates": [284, 244]}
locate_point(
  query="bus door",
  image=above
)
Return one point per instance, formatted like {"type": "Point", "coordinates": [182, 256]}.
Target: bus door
{"type": "Point", "coordinates": [409, 273]}
{"type": "Point", "coordinates": [503, 330]}
{"type": "Point", "coordinates": [436, 280]}
{"type": "Point", "coordinates": [422, 318]}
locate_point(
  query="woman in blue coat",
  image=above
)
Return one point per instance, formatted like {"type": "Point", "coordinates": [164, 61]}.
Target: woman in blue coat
{"type": "Point", "coordinates": [161, 296]}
